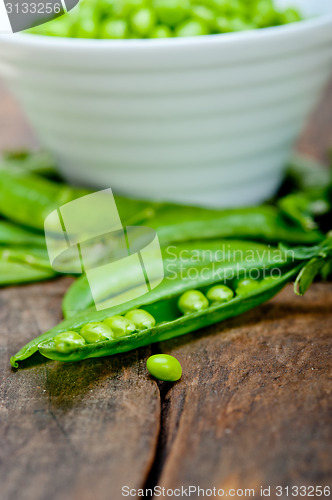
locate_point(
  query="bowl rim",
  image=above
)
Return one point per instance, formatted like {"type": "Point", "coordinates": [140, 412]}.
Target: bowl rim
{"type": "Point", "coordinates": [55, 42]}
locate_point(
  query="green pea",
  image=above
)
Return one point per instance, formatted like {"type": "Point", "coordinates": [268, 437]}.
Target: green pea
{"type": "Point", "coordinates": [123, 9]}
{"type": "Point", "coordinates": [96, 332]}
{"type": "Point", "coordinates": [164, 367]}
{"type": "Point", "coordinates": [68, 342]}
{"type": "Point", "coordinates": [54, 28]}
{"type": "Point", "coordinates": [116, 28]}
{"type": "Point", "coordinates": [171, 12]}
{"type": "Point", "coordinates": [238, 24]}
{"type": "Point", "coordinates": [121, 19]}
{"type": "Point", "coordinates": [141, 319]}
{"type": "Point", "coordinates": [86, 28]}
{"type": "Point", "coordinates": [142, 21]}
{"type": "Point", "coordinates": [107, 7]}
{"type": "Point", "coordinates": [290, 16]}
{"type": "Point", "coordinates": [223, 25]}
{"type": "Point", "coordinates": [192, 301]}
{"type": "Point", "coordinates": [247, 285]}
{"type": "Point", "coordinates": [120, 326]}
{"type": "Point", "coordinates": [225, 7]}
{"type": "Point", "coordinates": [220, 293]}
{"type": "Point", "coordinates": [204, 14]}
{"type": "Point", "coordinates": [192, 27]}
{"type": "Point", "coordinates": [161, 31]}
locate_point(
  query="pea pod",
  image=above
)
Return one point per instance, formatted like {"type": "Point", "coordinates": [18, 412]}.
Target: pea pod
{"type": "Point", "coordinates": [304, 207]}
{"type": "Point", "coordinates": [28, 199]}
{"type": "Point", "coordinates": [11, 234]}
{"type": "Point", "coordinates": [263, 223]}
{"type": "Point", "coordinates": [304, 174]}
{"type": "Point", "coordinates": [162, 304]}
{"type": "Point", "coordinates": [23, 266]}
{"type": "Point", "coordinates": [38, 162]}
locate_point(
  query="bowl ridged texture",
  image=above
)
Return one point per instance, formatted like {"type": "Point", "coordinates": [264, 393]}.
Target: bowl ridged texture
{"type": "Point", "coordinates": [209, 120]}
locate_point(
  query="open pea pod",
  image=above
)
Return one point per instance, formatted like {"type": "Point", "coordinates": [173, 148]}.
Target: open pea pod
{"type": "Point", "coordinates": [165, 304]}
{"type": "Point", "coordinates": [179, 258]}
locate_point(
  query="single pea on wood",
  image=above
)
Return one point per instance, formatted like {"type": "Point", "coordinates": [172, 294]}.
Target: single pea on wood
{"type": "Point", "coordinates": [164, 367]}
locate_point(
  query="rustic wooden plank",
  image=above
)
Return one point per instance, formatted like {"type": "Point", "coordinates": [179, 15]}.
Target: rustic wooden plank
{"type": "Point", "coordinates": [316, 139]}
{"type": "Point", "coordinates": [70, 431]}
{"type": "Point", "coordinates": [15, 132]}
{"type": "Point", "coordinates": [254, 404]}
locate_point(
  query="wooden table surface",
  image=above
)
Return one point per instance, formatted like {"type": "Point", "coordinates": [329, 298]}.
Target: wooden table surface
{"type": "Point", "coordinates": [253, 407]}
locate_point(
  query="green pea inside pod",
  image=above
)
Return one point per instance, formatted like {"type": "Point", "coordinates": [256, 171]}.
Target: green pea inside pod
{"type": "Point", "coordinates": [164, 367]}
{"type": "Point", "coordinates": [246, 285]}
{"type": "Point", "coordinates": [96, 332]}
{"type": "Point", "coordinates": [141, 319]}
{"type": "Point", "coordinates": [220, 293]}
{"type": "Point", "coordinates": [120, 326]}
{"type": "Point", "coordinates": [192, 301]}
{"type": "Point", "coordinates": [68, 342]}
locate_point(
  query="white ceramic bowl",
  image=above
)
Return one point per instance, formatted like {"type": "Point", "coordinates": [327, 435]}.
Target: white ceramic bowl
{"type": "Point", "coordinates": [208, 120]}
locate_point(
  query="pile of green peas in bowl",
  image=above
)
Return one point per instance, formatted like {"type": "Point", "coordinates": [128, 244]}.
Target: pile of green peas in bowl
{"type": "Point", "coordinates": [135, 19]}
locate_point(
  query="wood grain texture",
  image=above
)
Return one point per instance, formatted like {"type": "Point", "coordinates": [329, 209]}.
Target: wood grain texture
{"type": "Point", "coordinates": [253, 407]}
{"type": "Point", "coordinates": [70, 431]}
